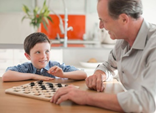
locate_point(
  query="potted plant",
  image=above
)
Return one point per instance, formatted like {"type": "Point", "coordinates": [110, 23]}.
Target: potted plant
{"type": "Point", "coordinates": [38, 16]}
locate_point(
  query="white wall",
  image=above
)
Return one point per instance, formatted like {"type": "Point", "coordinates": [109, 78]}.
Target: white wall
{"type": "Point", "coordinates": [149, 8]}
{"type": "Point", "coordinates": [14, 5]}
{"type": "Point", "coordinates": [72, 6]}
{"type": "Point", "coordinates": [12, 30]}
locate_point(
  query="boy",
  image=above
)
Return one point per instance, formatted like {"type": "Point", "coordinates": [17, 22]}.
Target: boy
{"type": "Point", "coordinates": [37, 50]}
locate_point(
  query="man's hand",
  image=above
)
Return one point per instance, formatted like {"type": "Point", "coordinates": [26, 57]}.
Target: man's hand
{"type": "Point", "coordinates": [56, 71]}
{"type": "Point", "coordinates": [95, 81]}
{"type": "Point", "coordinates": [70, 93]}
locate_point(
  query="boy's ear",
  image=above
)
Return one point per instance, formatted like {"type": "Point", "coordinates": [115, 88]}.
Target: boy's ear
{"type": "Point", "coordinates": [27, 56]}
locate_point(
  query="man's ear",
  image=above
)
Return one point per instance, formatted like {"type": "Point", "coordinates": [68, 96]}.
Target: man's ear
{"type": "Point", "coordinates": [124, 18]}
{"type": "Point", "coordinates": [27, 56]}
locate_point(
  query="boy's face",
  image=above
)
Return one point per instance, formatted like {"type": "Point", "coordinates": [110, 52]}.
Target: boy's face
{"type": "Point", "coordinates": [39, 55]}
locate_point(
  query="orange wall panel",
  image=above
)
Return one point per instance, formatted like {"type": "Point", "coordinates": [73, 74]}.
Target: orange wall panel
{"type": "Point", "coordinates": [76, 21]}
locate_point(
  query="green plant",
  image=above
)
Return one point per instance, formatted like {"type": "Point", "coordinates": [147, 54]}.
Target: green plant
{"type": "Point", "coordinates": [38, 16]}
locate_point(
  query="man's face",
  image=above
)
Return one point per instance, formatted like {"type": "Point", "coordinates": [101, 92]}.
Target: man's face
{"type": "Point", "coordinates": [39, 55]}
{"type": "Point", "coordinates": [113, 26]}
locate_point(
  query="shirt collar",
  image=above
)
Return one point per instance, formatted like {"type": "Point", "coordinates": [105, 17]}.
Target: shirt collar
{"type": "Point", "coordinates": [35, 69]}
{"type": "Point", "coordinates": [47, 67]}
{"type": "Point", "coordinates": [141, 38]}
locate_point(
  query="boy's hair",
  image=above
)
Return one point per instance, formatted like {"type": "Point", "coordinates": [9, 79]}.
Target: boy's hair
{"type": "Point", "coordinates": [34, 38]}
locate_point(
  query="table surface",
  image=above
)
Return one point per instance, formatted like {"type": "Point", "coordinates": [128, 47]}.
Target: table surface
{"type": "Point", "coordinates": [17, 104]}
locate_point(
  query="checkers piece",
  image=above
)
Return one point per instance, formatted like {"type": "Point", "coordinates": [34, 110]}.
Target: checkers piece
{"type": "Point", "coordinates": [40, 82]}
{"type": "Point", "coordinates": [59, 85]}
{"type": "Point", "coordinates": [43, 87]}
{"type": "Point", "coordinates": [32, 84]}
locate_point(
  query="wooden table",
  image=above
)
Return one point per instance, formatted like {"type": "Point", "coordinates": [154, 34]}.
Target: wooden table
{"type": "Point", "coordinates": [18, 104]}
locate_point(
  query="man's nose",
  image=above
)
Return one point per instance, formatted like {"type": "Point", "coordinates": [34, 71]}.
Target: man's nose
{"type": "Point", "coordinates": [101, 25]}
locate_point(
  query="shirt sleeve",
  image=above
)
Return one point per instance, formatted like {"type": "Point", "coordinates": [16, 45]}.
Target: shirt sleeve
{"type": "Point", "coordinates": [143, 98]}
{"type": "Point", "coordinates": [68, 68]}
{"type": "Point", "coordinates": [109, 66]}
{"type": "Point", "coordinates": [65, 68]}
{"type": "Point", "coordinates": [23, 68]}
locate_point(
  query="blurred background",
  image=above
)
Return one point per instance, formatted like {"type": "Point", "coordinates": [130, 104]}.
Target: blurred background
{"type": "Point", "coordinates": [84, 39]}
{"type": "Point", "coordinates": [82, 17]}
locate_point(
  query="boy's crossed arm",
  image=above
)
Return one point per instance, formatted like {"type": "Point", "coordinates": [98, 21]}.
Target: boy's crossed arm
{"type": "Point", "coordinates": [18, 76]}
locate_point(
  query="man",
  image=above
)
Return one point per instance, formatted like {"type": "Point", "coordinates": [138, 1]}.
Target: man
{"type": "Point", "coordinates": [134, 56]}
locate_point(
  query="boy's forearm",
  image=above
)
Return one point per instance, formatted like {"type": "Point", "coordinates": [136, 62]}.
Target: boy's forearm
{"type": "Point", "coordinates": [16, 76]}
{"type": "Point", "coordinates": [75, 75]}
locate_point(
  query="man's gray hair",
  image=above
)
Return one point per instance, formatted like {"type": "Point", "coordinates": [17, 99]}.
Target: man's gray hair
{"type": "Point", "coordinates": [132, 8]}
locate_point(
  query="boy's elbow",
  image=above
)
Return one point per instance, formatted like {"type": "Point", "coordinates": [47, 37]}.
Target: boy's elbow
{"type": "Point", "coordinates": [85, 75]}
{"type": "Point", "coordinates": [4, 78]}
{"type": "Point", "coordinates": [82, 75]}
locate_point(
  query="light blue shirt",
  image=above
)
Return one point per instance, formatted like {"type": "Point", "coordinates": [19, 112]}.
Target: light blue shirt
{"type": "Point", "coordinates": [136, 69]}
{"type": "Point", "coordinates": [29, 68]}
